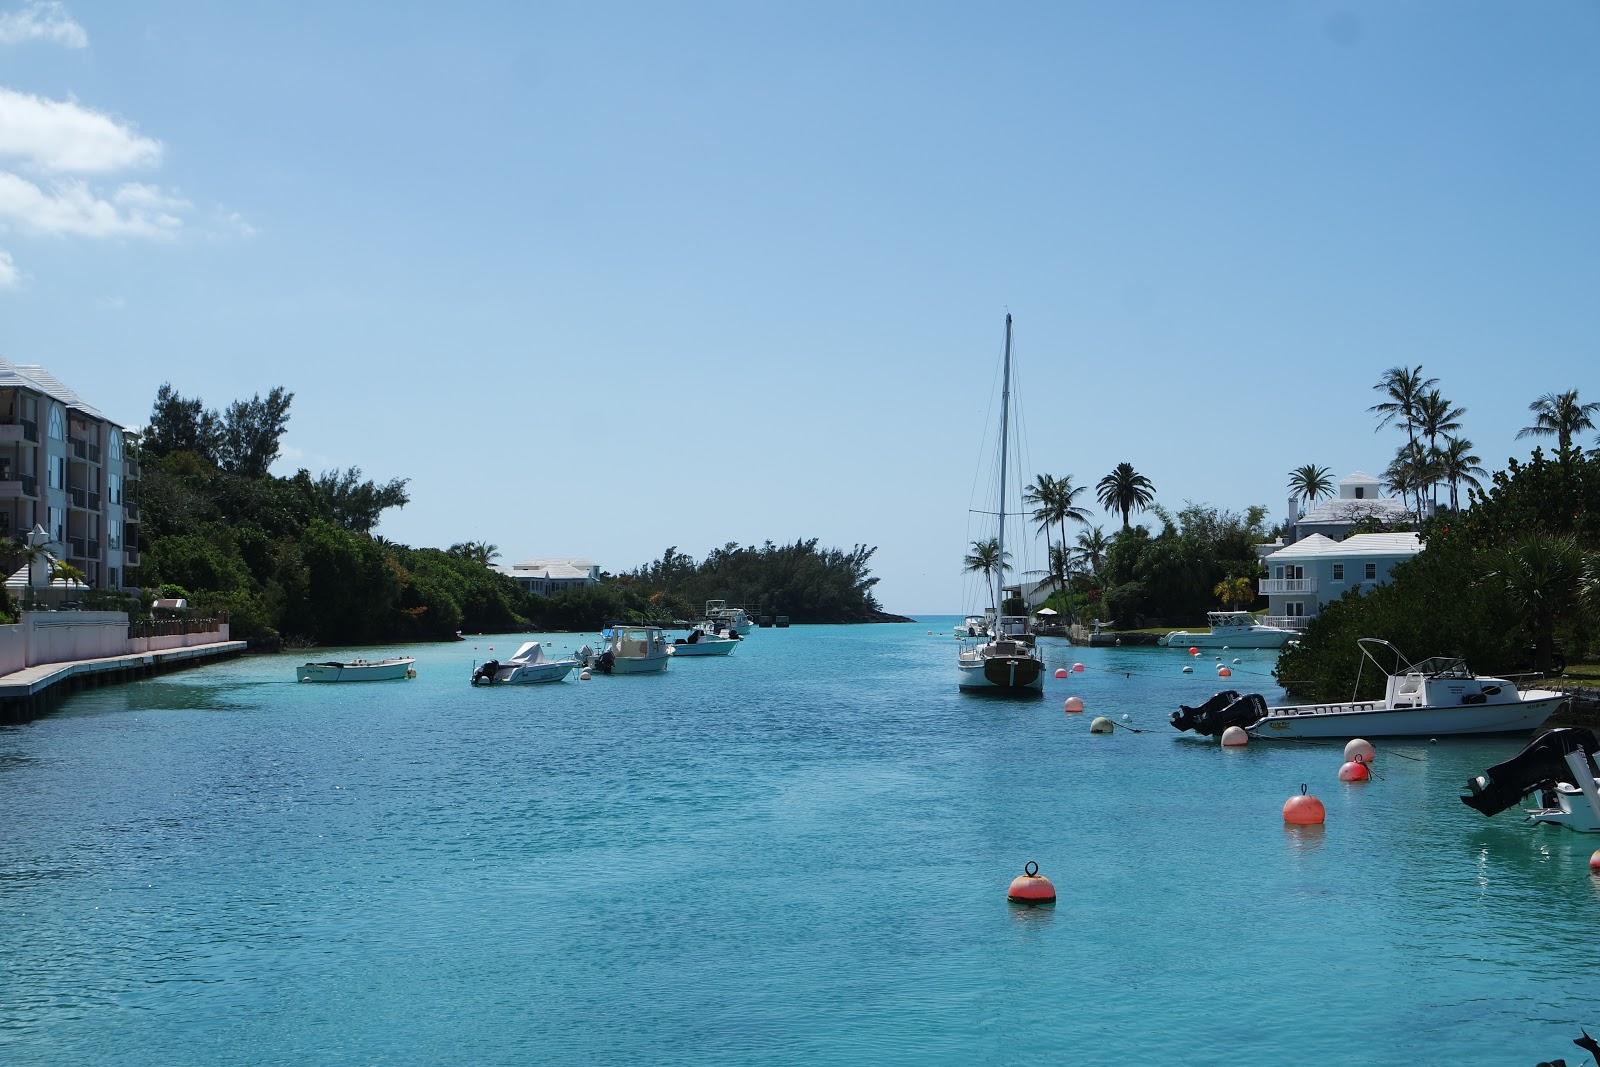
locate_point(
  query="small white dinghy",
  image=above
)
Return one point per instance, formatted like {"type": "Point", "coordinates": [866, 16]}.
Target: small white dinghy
{"type": "Point", "coordinates": [357, 670]}
{"type": "Point", "coordinates": [700, 643]}
{"type": "Point", "coordinates": [527, 667]}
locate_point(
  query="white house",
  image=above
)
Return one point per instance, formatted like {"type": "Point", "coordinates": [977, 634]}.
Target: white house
{"type": "Point", "coordinates": [1316, 570]}
{"type": "Point", "coordinates": [549, 576]}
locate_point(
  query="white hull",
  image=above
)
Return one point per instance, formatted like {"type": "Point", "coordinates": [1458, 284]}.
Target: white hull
{"type": "Point", "coordinates": [643, 665]}
{"type": "Point", "coordinates": [973, 678]}
{"type": "Point", "coordinates": [705, 647]}
{"type": "Point", "coordinates": [1375, 719]}
{"type": "Point", "coordinates": [1243, 639]}
{"type": "Point", "coordinates": [389, 670]}
{"type": "Point", "coordinates": [535, 673]}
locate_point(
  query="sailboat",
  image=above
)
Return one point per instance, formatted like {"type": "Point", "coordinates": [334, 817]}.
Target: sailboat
{"type": "Point", "coordinates": [1003, 661]}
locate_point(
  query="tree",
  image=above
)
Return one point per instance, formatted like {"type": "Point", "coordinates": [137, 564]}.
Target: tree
{"type": "Point", "coordinates": [181, 424]}
{"type": "Point", "coordinates": [1437, 416]}
{"type": "Point", "coordinates": [251, 431]}
{"type": "Point", "coordinates": [1411, 472]}
{"type": "Point", "coordinates": [1125, 490]}
{"type": "Point", "coordinates": [1235, 592]}
{"type": "Point", "coordinates": [1091, 550]}
{"type": "Point", "coordinates": [355, 503]}
{"type": "Point", "coordinates": [1457, 465]}
{"type": "Point", "coordinates": [480, 552]}
{"type": "Point", "coordinates": [1562, 416]}
{"type": "Point", "coordinates": [1403, 389]}
{"type": "Point", "coordinates": [1310, 482]}
{"type": "Point", "coordinates": [985, 558]}
{"type": "Point", "coordinates": [1055, 502]}
{"type": "Point", "coordinates": [1542, 577]}
{"type": "Point", "coordinates": [1042, 496]}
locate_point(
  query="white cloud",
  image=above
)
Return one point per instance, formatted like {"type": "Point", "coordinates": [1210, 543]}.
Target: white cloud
{"type": "Point", "coordinates": [42, 20]}
{"type": "Point", "coordinates": [64, 137]}
{"type": "Point", "coordinates": [9, 275]}
{"type": "Point", "coordinates": [71, 207]}
{"type": "Point", "coordinates": [231, 222]}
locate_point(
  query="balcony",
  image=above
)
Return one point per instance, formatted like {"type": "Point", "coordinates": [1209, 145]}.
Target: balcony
{"type": "Point", "coordinates": [1287, 622]}
{"type": "Point", "coordinates": [130, 467]}
{"type": "Point", "coordinates": [83, 499]}
{"type": "Point", "coordinates": [78, 547]}
{"type": "Point", "coordinates": [16, 488]}
{"type": "Point", "coordinates": [130, 510]}
{"type": "Point", "coordinates": [130, 555]}
{"type": "Point", "coordinates": [1288, 585]}
{"type": "Point", "coordinates": [20, 432]}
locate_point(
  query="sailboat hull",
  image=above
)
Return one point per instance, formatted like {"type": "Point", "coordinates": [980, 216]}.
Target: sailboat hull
{"type": "Point", "coordinates": [1020, 675]}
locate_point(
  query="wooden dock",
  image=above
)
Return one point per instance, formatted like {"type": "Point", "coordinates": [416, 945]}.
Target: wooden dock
{"type": "Point", "coordinates": [30, 692]}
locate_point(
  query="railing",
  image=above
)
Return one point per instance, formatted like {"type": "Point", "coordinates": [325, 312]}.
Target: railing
{"type": "Point", "coordinates": [130, 510]}
{"type": "Point", "coordinates": [78, 547]}
{"type": "Point", "coordinates": [1288, 622]}
{"type": "Point", "coordinates": [1288, 585]}
{"type": "Point", "coordinates": [130, 467]}
{"type": "Point", "coordinates": [80, 447]}
{"type": "Point", "coordinates": [94, 549]}
{"type": "Point", "coordinates": [30, 485]}
{"type": "Point", "coordinates": [202, 624]}
{"type": "Point", "coordinates": [78, 495]}
{"type": "Point", "coordinates": [25, 431]}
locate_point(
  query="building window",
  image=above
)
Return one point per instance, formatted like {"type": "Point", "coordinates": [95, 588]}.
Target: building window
{"type": "Point", "coordinates": [1361, 492]}
{"type": "Point", "coordinates": [114, 488]}
{"type": "Point", "coordinates": [1294, 609]}
{"type": "Point", "coordinates": [1372, 572]}
{"type": "Point", "coordinates": [57, 519]}
{"type": "Point", "coordinates": [58, 472]}
{"type": "Point", "coordinates": [111, 580]}
{"type": "Point", "coordinates": [1277, 571]}
{"type": "Point", "coordinates": [114, 450]}
{"type": "Point", "coordinates": [58, 424]}
{"type": "Point", "coordinates": [113, 533]}
{"type": "Point", "coordinates": [1338, 572]}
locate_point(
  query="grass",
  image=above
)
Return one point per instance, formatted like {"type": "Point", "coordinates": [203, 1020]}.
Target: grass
{"type": "Point", "coordinates": [1583, 673]}
{"type": "Point", "coordinates": [1162, 631]}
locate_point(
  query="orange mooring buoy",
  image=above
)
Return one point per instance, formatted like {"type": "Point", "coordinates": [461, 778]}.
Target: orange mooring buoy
{"type": "Point", "coordinates": [1594, 862]}
{"type": "Point", "coordinates": [1031, 887]}
{"type": "Point", "coordinates": [1304, 810]}
{"type": "Point", "coordinates": [1355, 770]}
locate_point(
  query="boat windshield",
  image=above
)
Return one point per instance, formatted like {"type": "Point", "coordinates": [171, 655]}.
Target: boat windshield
{"type": "Point", "coordinates": [1442, 667]}
{"type": "Point", "coordinates": [1012, 625]}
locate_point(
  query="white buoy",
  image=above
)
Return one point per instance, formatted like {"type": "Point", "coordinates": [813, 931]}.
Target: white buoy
{"type": "Point", "coordinates": [1236, 659]}
{"type": "Point", "coordinates": [1188, 670]}
{"type": "Point", "coordinates": [1360, 751]}
{"type": "Point", "coordinates": [1102, 725]}
{"type": "Point", "coordinates": [584, 676]}
{"type": "Point", "coordinates": [1235, 737]}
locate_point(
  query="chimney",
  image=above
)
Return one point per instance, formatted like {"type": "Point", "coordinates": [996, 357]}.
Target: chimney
{"type": "Point", "coordinates": [1289, 537]}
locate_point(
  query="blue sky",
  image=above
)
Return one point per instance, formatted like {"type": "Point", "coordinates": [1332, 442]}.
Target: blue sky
{"type": "Point", "coordinates": [605, 278]}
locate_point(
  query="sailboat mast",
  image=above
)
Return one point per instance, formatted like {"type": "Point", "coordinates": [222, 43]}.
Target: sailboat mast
{"type": "Point", "coordinates": [1005, 447]}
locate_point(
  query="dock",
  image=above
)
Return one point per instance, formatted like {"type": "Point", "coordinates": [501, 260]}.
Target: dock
{"type": "Point", "coordinates": [28, 693]}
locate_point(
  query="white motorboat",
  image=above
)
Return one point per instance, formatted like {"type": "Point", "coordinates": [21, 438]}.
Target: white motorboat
{"type": "Point", "coordinates": [1558, 765]}
{"type": "Point", "coordinates": [1231, 629]}
{"type": "Point", "coordinates": [1004, 660]}
{"type": "Point", "coordinates": [357, 670]}
{"type": "Point", "coordinates": [628, 648]}
{"type": "Point", "coordinates": [735, 619]}
{"type": "Point", "coordinates": [527, 667]}
{"type": "Point", "coordinates": [700, 643]}
{"type": "Point", "coordinates": [974, 626]}
{"type": "Point", "coordinates": [1438, 697]}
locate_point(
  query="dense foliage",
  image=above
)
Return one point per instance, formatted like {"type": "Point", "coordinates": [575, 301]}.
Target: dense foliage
{"type": "Point", "coordinates": [1504, 584]}
{"type": "Point", "coordinates": [294, 557]}
{"type": "Point", "coordinates": [1173, 577]}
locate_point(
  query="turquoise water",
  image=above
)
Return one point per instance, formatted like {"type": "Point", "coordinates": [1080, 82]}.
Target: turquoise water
{"type": "Point", "coordinates": [797, 853]}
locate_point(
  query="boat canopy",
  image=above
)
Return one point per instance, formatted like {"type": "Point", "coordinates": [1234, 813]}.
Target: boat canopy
{"type": "Point", "coordinates": [1230, 618]}
{"type": "Point", "coordinates": [532, 652]}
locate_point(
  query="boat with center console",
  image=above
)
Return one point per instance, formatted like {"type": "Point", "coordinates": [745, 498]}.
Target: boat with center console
{"type": "Point", "coordinates": [1231, 629]}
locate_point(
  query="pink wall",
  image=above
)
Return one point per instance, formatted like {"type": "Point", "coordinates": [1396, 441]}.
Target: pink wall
{"type": "Point", "coordinates": [58, 636]}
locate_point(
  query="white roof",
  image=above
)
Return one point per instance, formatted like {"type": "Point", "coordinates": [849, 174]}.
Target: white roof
{"type": "Point", "coordinates": [1357, 478]}
{"type": "Point", "coordinates": [32, 376]}
{"type": "Point", "coordinates": [1316, 546]}
{"type": "Point", "coordinates": [548, 568]}
{"type": "Point", "coordinates": [19, 580]}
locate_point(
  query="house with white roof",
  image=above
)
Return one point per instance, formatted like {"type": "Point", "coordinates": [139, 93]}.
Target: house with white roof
{"type": "Point", "coordinates": [1360, 499]}
{"type": "Point", "coordinates": [549, 576]}
{"type": "Point", "coordinates": [1317, 570]}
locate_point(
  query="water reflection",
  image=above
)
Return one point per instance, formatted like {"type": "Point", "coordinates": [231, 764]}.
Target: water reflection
{"type": "Point", "coordinates": [1305, 838]}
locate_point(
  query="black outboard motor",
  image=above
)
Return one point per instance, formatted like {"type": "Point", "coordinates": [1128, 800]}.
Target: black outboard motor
{"type": "Point", "coordinates": [1536, 768]}
{"type": "Point", "coordinates": [1227, 708]}
{"type": "Point", "coordinates": [484, 675]}
{"type": "Point", "coordinates": [607, 660]}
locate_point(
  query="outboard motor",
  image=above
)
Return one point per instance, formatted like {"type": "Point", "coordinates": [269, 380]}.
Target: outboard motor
{"type": "Point", "coordinates": [1537, 768]}
{"type": "Point", "coordinates": [485, 673]}
{"type": "Point", "coordinates": [607, 660]}
{"type": "Point", "coordinates": [1227, 708]}
{"type": "Point", "coordinates": [586, 656]}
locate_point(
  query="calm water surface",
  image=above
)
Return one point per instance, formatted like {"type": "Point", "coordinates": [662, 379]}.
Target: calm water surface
{"type": "Point", "coordinates": [800, 852]}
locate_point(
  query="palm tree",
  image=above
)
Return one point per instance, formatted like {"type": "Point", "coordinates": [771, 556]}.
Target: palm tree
{"type": "Point", "coordinates": [1403, 387]}
{"type": "Point", "coordinates": [1436, 416]}
{"type": "Point", "coordinates": [1125, 490]}
{"type": "Point", "coordinates": [1060, 564]}
{"type": "Point", "coordinates": [1043, 496]}
{"type": "Point", "coordinates": [1091, 549]}
{"type": "Point", "coordinates": [481, 552]}
{"type": "Point", "coordinates": [1411, 471]}
{"type": "Point", "coordinates": [985, 559]}
{"type": "Point", "coordinates": [1067, 506]}
{"type": "Point", "coordinates": [1543, 578]}
{"type": "Point", "coordinates": [1560, 415]}
{"type": "Point", "coordinates": [1234, 592]}
{"type": "Point", "coordinates": [1310, 482]}
{"type": "Point", "coordinates": [1458, 465]}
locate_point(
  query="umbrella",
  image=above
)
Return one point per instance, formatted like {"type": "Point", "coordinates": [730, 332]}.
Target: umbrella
{"type": "Point", "coordinates": [1047, 611]}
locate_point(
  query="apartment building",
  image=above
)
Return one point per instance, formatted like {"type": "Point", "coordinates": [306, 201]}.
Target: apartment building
{"type": "Point", "coordinates": [66, 467]}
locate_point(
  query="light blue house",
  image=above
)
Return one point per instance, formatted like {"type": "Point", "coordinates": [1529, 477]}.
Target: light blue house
{"type": "Point", "coordinates": [1317, 570]}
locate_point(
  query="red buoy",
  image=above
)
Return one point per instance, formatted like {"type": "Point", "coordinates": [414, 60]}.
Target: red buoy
{"type": "Point", "coordinates": [1355, 770]}
{"type": "Point", "coordinates": [1193, 651]}
{"type": "Point", "coordinates": [1073, 704]}
{"type": "Point", "coordinates": [1594, 862]}
{"type": "Point", "coordinates": [1031, 887]}
{"type": "Point", "coordinates": [1077, 668]}
{"type": "Point", "coordinates": [1224, 672]}
{"type": "Point", "coordinates": [1061, 672]}
{"type": "Point", "coordinates": [1304, 810]}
